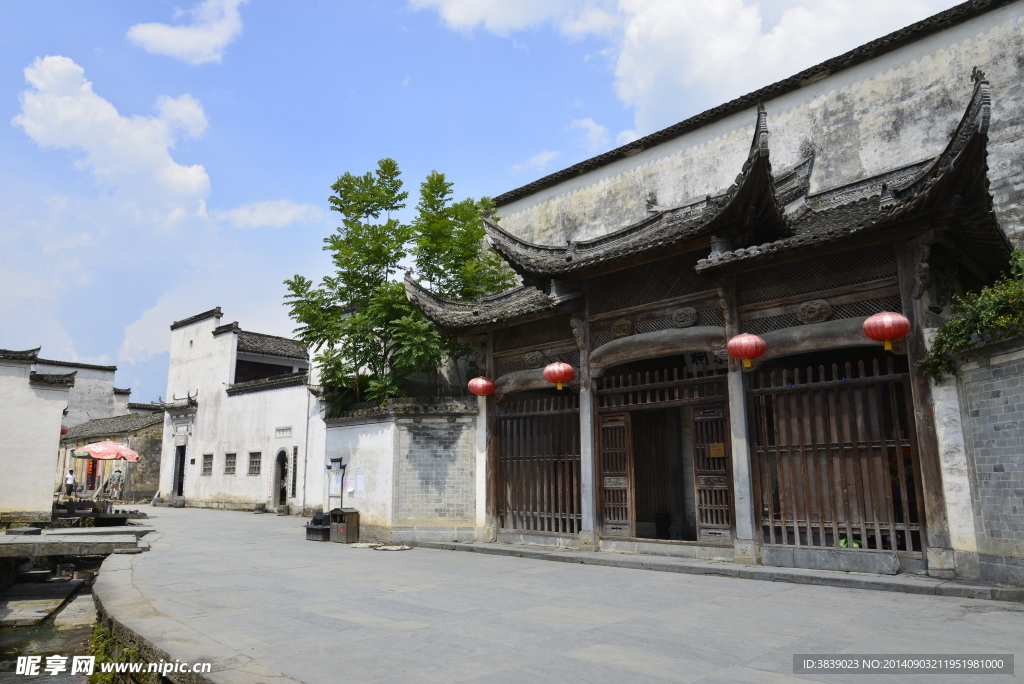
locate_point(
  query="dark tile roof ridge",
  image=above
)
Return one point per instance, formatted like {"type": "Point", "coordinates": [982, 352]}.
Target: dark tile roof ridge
{"type": "Point", "coordinates": [60, 380]}
{"type": "Point", "coordinates": [863, 53]}
{"type": "Point", "coordinates": [75, 364]}
{"type": "Point", "coordinates": [273, 382]}
{"type": "Point", "coordinates": [212, 313]}
{"type": "Point", "coordinates": [895, 200]}
{"type": "Point", "coordinates": [504, 306]}
{"type": "Point", "coordinates": [271, 345]}
{"type": "Point", "coordinates": [113, 425]}
{"type": "Point", "coordinates": [145, 407]}
{"type": "Point", "coordinates": [29, 355]}
{"type": "Point", "coordinates": [272, 337]}
{"type": "Point", "coordinates": [226, 328]}
{"type": "Point", "coordinates": [120, 390]}
{"type": "Point", "coordinates": [664, 226]}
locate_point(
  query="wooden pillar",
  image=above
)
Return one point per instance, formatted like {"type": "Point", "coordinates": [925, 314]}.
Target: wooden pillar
{"type": "Point", "coordinates": [938, 551]}
{"type": "Point", "coordinates": [589, 538]}
{"type": "Point", "coordinates": [745, 542]}
{"type": "Point", "coordinates": [487, 421]}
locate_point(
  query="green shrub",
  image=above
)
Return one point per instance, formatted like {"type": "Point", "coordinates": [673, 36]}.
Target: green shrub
{"type": "Point", "coordinates": [993, 313]}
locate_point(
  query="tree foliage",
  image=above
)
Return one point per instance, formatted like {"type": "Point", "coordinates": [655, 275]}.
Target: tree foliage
{"type": "Point", "coordinates": [370, 340]}
{"type": "Point", "coordinates": [993, 313]}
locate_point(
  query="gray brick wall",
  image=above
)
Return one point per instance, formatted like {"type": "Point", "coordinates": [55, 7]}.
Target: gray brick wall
{"type": "Point", "coordinates": [436, 473]}
{"type": "Point", "coordinates": [992, 401]}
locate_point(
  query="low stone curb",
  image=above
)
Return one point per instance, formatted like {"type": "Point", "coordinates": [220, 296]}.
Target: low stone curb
{"type": "Point", "coordinates": [907, 584]}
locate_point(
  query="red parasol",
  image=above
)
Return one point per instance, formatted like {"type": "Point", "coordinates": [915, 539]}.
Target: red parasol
{"type": "Point", "coordinates": [106, 451]}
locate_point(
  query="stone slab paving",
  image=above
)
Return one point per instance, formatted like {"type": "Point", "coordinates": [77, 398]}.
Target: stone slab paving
{"type": "Point", "coordinates": [79, 612]}
{"type": "Point", "coordinates": [250, 595]}
{"type": "Point", "coordinates": [23, 605]}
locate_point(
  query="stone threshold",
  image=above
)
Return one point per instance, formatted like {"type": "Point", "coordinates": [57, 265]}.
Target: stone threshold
{"type": "Point", "coordinates": [907, 584]}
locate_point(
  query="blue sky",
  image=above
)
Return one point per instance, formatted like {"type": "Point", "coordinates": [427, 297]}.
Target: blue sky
{"type": "Point", "coordinates": [163, 158]}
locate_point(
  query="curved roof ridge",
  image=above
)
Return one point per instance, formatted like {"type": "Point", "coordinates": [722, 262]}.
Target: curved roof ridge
{"type": "Point", "coordinates": [514, 303]}
{"type": "Point", "coordinates": [752, 190]}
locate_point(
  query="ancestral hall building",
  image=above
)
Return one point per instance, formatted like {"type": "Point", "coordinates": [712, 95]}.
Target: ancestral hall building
{"type": "Point", "coordinates": [886, 179]}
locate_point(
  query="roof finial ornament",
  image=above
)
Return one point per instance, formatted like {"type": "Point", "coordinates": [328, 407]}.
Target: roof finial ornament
{"type": "Point", "coordinates": [977, 75]}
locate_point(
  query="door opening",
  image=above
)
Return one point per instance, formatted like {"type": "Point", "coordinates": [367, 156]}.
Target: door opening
{"type": "Point", "coordinates": [179, 470]}
{"type": "Point", "coordinates": [281, 478]}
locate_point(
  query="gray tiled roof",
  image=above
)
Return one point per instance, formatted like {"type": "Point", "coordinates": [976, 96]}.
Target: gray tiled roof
{"type": "Point", "coordinates": [257, 343]}
{"type": "Point", "coordinates": [755, 189]}
{"type": "Point", "coordinates": [26, 355]}
{"type": "Point", "coordinates": [506, 306]}
{"type": "Point", "coordinates": [212, 313]}
{"type": "Point", "coordinates": [271, 383]}
{"type": "Point", "coordinates": [61, 380]}
{"type": "Point", "coordinates": [75, 364]}
{"type": "Point", "coordinates": [115, 425]}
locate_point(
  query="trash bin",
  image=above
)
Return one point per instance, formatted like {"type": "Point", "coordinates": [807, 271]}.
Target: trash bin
{"type": "Point", "coordinates": [345, 525]}
{"type": "Point", "coordinates": [319, 529]}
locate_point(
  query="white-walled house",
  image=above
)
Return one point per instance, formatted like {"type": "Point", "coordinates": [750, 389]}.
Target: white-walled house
{"type": "Point", "coordinates": [93, 395]}
{"type": "Point", "coordinates": [32, 404]}
{"type": "Point", "coordinates": [243, 423]}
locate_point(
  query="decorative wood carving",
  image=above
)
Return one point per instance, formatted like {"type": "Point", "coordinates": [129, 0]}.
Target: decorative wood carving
{"type": "Point", "coordinates": [653, 344]}
{"type": "Point", "coordinates": [845, 332]}
{"type": "Point", "coordinates": [521, 381]}
{"type": "Point", "coordinates": [921, 269]}
{"type": "Point", "coordinates": [900, 346]}
{"type": "Point", "coordinates": [622, 328]}
{"type": "Point", "coordinates": [684, 317]}
{"type": "Point", "coordinates": [814, 311]}
{"type": "Point", "coordinates": [534, 359]}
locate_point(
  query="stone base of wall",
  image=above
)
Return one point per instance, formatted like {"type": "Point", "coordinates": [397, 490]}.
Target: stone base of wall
{"type": "Point", "coordinates": [676, 549]}
{"type": "Point", "coordinates": [1003, 569]}
{"type": "Point", "coordinates": [464, 534]}
{"type": "Point", "coordinates": [9, 518]}
{"type": "Point", "coordinates": [878, 562]}
{"type": "Point", "coordinates": [562, 542]}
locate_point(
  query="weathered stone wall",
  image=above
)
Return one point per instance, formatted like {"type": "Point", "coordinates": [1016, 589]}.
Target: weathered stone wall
{"type": "Point", "coordinates": [411, 477]}
{"type": "Point", "coordinates": [144, 475]}
{"type": "Point", "coordinates": [436, 473]}
{"type": "Point", "coordinates": [992, 402]}
{"type": "Point", "coordinates": [886, 113]}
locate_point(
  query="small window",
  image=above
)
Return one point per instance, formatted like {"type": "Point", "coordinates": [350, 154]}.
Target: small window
{"type": "Point", "coordinates": [283, 432]}
{"type": "Point", "coordinates": [229, 463]}
{"type": "Point", "coordinates": [255, 463]}
{"type": "Point", "coordinates": [207, 464]}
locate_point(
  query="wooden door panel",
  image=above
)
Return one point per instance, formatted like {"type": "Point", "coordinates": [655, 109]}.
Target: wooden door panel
{"type": "Point", "coordinates": [712, 474]}
{"type": "Point", "coordinates": [616, 473]}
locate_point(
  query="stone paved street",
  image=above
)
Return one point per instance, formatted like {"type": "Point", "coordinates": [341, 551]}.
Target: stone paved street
{"type": "Point", "coordinates": [249, 594]}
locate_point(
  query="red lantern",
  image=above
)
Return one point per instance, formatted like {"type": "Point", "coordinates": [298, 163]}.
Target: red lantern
{"type": "Point", "coordinates": [558, 373]}
{"type": "Point", "coordinates": [481, 386]}
{"type": "Point", "coordinates": [746, 347]}
{"type": "Point", "coordinates": [64, 430]}
{"type": "Point", "coordinates": [886, 327]}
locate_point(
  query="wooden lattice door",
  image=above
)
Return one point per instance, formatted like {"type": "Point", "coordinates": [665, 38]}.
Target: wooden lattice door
{"type": "Point", "coordinates": [712, 473]}
{"type": "Point", "coordinates": [616, 472]}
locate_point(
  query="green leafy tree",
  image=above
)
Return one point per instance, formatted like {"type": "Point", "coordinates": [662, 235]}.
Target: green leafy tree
{"type": "Point", "coordinates": [370, 340]}
{"type": "Point", "coordinates": [449, 244]}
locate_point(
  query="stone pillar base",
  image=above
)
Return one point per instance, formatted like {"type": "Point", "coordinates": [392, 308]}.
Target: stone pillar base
{"type": "Point", "coordinates": [941, 563]}
{"type": "Point", "coordinates": [486, 534]}
{"type": "Point", "coordinates": [745, 551]}
{"type": "Point", "coordinates": [589, 541]}
{"type": "Point", "coordinates": [968, 565]}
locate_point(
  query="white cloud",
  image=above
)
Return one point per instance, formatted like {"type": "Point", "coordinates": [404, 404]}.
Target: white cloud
{"type": "Point", "coordinates": [537, 162]}
{"type": "Point", "coordinates": [215, 23]}
{"type": "Point", "coordinates": [573, 17]}
{"type": "Point", "coordinates": [130, 155]}
{"type": "Point", "coordinates": [269, 214]}
{"type": "Point", "coordinates": [596, 136]}
{"type": "Point", "coordinates": [184, 113]}
{"type": "Point", "coordinates": [675, 57]}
